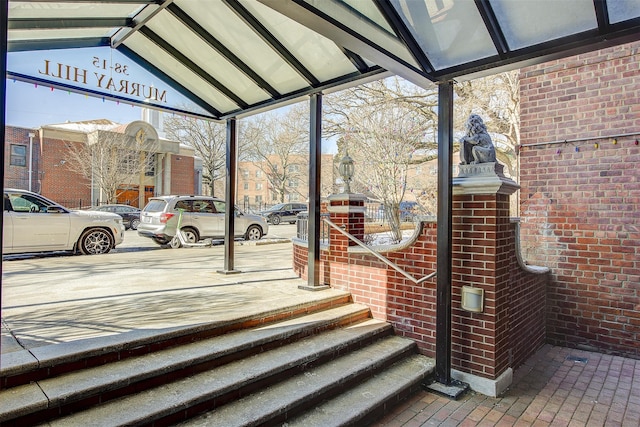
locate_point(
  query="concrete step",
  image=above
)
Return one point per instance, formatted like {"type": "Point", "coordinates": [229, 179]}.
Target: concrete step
{"type": "Point", "coordinates": [182, 399]}
{"type": "Point", "coordinates": [366, 403]}
{"type": "Point", "coordinates": [60, 395]}
{"type": "Point", "coordinates": [379, 378]}
{"type": "Point", "coordinates": [27, 366]}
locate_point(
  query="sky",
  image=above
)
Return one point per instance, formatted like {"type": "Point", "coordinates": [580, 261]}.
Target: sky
{"type": "Point", "coordinates": [31, 106]}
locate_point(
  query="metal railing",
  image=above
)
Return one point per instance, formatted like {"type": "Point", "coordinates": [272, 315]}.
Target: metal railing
{"type": "Point", "coordinates": [303, 228]}
{"type": "Point", "coordinates": [324, 238]}
{"type": "Point", "coordinates": [377, 255]}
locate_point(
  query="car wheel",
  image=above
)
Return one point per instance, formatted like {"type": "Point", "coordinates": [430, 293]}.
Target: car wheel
{"type": "Point", "coordinates": [253, 233]}
{"type": "Point", "coordinates": [275, 219]}
{"type": "Point", "coordinates": [134, 224]}
{"type": "Point", "coordinates": [190, 235]}
{"type": "Point", "coordinates": [95, 241]}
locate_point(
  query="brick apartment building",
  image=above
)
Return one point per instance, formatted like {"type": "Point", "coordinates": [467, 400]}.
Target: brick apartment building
{"type": "Point", "coordinates": [37, 159]}
{"type": "Point", "coordinates": [255, 191]}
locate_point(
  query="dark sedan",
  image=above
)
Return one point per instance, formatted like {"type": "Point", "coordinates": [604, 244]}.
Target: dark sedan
{"type": "Point", "coordinates": [287, 212]}
{"type": "Point", "coordinates": [130, 215]}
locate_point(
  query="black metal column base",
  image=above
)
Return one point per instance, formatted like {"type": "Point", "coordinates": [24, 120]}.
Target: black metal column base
{"type": "Point", "coordinates": [453, 390]}
{"type": "Point", "coordinates": [313, 288]}
{"type": "Point", "coordinates": [228, 271]}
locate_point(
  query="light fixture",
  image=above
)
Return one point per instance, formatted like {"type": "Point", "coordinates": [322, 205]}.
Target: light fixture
{"type": "Point", "coordinates": [346, 170]}
{"type": "Point", "coordinates": [472, 299]}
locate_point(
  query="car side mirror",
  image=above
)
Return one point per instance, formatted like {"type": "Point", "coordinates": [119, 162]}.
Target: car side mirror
{"type": "Point", "coordinates": [55, 209]}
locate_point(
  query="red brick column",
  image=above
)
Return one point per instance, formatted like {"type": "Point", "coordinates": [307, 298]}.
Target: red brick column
{"type": "Point", "coordinates": [347, 211]}
{"type": "Point", "coordinates": [482, 253]}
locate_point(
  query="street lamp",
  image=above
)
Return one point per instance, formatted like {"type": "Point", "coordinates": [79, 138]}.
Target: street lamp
{"type": "Point", "coordinates": [346, 170]}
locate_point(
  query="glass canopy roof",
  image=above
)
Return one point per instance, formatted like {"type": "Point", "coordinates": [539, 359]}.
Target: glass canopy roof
{"type": "Point", "coordinates": [229, 58]}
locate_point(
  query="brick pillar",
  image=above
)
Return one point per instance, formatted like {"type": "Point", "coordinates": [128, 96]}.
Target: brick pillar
{"type": "Point", "coordinates": [481, 254]}
{"type": "Point", "coordinates": [347, 211]}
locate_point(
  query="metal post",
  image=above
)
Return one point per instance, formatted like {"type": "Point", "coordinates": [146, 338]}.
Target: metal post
{"type": "Point", "coordinates": [444, 234]}
{"type": "Point", "coordinates": [315, 151]}
{"type": "Point", "coordinates": [230, 197]}
{"type": "Point", "coordinates": [4, 15]}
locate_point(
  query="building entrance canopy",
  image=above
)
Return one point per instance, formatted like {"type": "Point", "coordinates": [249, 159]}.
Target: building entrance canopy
{"type": "Point", "coordinates": [219, 59]}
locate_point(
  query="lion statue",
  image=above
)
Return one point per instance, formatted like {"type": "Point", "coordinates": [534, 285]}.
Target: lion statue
{"type": "Point", "coordinates": [476, 145]}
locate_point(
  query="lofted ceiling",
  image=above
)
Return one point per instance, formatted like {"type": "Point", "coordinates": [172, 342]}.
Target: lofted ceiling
{"type": "Point", "coordinates": [231, 58]}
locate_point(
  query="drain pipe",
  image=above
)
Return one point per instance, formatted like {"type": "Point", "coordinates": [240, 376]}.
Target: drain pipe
{"type": "Point", "coordinates": [31, 135]}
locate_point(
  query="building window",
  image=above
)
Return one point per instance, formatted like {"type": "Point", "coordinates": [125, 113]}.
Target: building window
{"type": "Point", "coordinates": [258, 173]}
{"type": "Point", "coordinates": [245, 174]}
{"type": "Point", "coordinates": [150, 168]}
{"type": "Point", "coordinates": [293, 183]}
{"type": "Point", "coordinates": [246, 186]}
{"type": "Point", "coordinates": [18, 155]}
{"type": "Point", "coordinates": [258, 186]}
{"type": "Point", "coordinates": [294, 168]}
{"type": "Point", "coordinates": [258, 199]}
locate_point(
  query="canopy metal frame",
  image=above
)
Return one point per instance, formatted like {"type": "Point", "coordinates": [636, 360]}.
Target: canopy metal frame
{"type": "Point", "coordinates": [365, 40]}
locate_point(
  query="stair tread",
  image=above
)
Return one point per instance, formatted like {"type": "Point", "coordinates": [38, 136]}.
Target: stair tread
{"type": "Point", "coordinates": [86, 382]}
{"type": "Point", "coordinates": [160, 401]}
{"type": "Point", "coordinates": [351, 406]}
{"type": "Point", "coordinates": [295, 392]}
{"type": "Point", "coordinates": [19, 362]}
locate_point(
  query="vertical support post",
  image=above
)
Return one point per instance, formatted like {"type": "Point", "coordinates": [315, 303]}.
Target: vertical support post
{"type": "Point", "coordinates": [444, 233]}
{"type": "Point", "coordinates": [230, 197]}
{"type": "Point", "coordinates": [4, 17]}
{"type": "Point", "coordinates": [315, 151]}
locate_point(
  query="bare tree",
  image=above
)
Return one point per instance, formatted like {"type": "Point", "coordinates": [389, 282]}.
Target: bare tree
{"type": "Point", "coordinates": [387, 127]}
{"type": "Point", "coordinates": [278, 144]}
{"type": "Point", "coordinates": [208, 139]}
{"type": "Point", "coordinates": [384, 140]}
{"type": "Point", "coordinates": [111, 161]}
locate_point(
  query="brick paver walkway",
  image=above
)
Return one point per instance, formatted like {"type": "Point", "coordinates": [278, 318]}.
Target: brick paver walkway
{"type": "Point", "coordinates": [556, 387]}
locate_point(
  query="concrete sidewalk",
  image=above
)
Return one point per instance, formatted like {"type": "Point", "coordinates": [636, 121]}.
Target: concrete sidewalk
{"type": "Point", "coordinates": [52, 300]}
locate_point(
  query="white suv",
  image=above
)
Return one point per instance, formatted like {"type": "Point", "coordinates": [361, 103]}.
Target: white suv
{"type": "Point", "coordinates": [33, 223]}
{"type": "Point", "coordinates": [202, 218]}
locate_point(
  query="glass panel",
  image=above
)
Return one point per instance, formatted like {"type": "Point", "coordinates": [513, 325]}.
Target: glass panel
{"type": "Point", "coordinates": [363, 17]}
{"type": "Point", "coordinates": [65, 33]}
{"type": "Point", "coordinates": [621, 10]}
{"type": "Point", "coordinates": [450, 32]}
{"type": "Point", "coordinates": [224, 25]}
{"type": "Point", "coordinates": [214, 64]}
{"type": "Point", "coordinates": [102, 70]}
{"type": "Point", "coordinates": [529, 22]}
{"type": "Point", "coordinates": [71, 10]}
{"type": "Point", "coordinates": [318, 54]}
{"type": "Point", "coordinates": [172, 68]}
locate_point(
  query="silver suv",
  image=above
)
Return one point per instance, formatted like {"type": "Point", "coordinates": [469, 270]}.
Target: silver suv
{"type": "Point", "coordinates": [202, 218]}
{"type": "Point", "coordinates": [33, 223]}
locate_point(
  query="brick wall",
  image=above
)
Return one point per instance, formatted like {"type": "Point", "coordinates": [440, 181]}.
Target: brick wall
{"type": "Point", "coordinates": [580, 200]}
{"type": "Point", "coordinates": [16, 176]}
{"type": "Point", "coordinates": [182, 175]}
{"type": "Point", "coordinates": [511, 327]}
{"type": "Point", "coordinates": [59, 182]}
